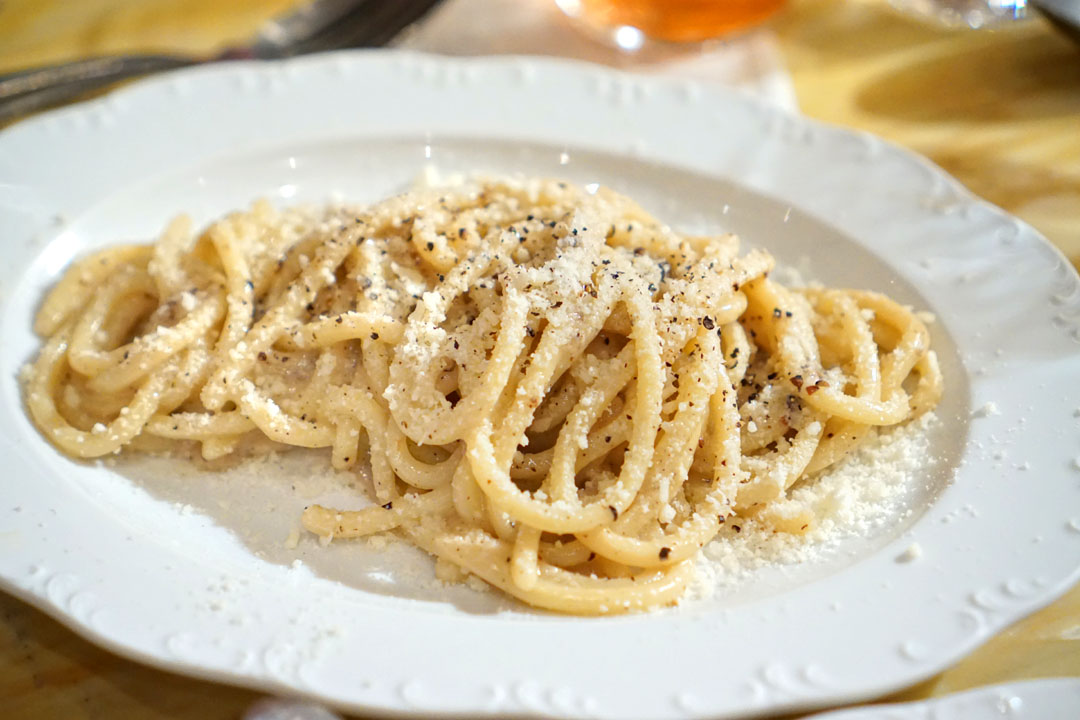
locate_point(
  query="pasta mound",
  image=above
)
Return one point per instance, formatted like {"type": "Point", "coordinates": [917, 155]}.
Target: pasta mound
{"type": "Point", "coordinates": [554, 391]}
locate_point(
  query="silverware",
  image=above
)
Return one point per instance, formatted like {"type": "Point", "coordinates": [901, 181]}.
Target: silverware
{"type": "Point", "coordinates": [317, 26]}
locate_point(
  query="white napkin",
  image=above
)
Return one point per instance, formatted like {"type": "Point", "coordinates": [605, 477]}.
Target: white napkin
{"type": "Point", "coordinates": [749, 60]}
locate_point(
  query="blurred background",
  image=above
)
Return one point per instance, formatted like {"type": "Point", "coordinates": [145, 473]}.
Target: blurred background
{"type": "Point", "coordinates": [998, 107]}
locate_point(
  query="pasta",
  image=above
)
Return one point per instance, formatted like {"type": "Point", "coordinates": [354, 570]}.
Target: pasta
{"type": "Point", "coordinates": [554, 391]}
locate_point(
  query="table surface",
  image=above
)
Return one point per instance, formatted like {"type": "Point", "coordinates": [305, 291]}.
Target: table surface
{"type": "Point", "coordinates": [999, 110]}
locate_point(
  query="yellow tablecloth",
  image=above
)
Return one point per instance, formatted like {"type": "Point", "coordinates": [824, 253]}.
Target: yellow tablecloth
{"type": "Point", "coordinates": [1000, 111]}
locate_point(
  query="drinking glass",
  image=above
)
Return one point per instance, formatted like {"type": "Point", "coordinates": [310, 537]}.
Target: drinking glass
{"type": "Point", "coordinates": [969, 13]}
{"type": "Point", "coordinates": [629, 23]}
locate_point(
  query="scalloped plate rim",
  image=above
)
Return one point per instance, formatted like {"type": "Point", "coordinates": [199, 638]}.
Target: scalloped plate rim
{"type": "Point", "coordinates": [1045, 595]}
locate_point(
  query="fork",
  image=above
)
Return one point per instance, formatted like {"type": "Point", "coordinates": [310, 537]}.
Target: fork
{"type": "Point", "coordinates": [317, 26]}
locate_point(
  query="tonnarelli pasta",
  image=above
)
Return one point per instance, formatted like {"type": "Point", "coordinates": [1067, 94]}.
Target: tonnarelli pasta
{"type": "Point", "coordinates": [554, 391]}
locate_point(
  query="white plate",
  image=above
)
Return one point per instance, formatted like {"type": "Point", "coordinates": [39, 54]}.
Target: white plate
{"type": "Point", "coordinates": [1049, 699]}
{"type": "Point", "coordinates": [127, 567]}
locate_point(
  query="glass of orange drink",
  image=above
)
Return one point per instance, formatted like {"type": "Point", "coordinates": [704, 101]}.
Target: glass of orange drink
{"type": "Point", "coordinates": [629, 22]}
